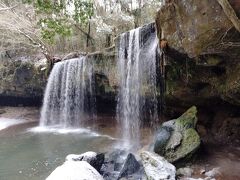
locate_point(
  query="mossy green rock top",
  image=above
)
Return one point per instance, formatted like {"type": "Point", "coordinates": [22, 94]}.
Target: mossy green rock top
{"type": "Point", "coordinates": [183, 140]}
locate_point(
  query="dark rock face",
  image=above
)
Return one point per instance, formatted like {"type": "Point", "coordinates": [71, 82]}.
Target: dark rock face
{"type": "Point", "coordinates": [162, 138]}
{"type": "Point", "coordinates": [94, 159]}
{"type": "Point", "coordinates": [203, 58]}
{"type": "Point", "coordinates": [120, 165]}
{"type": "Point", "coordinates": [192, 26]}
{"type": "Point", "coordinates": [177, 139]}
{"type": "Point", "coordinates": [21, 83]}
{"type": "Point", "coordinates": [130, 166]}
{"type": "Point", "coordinates": [112, 164]}
{"type": "Point", "coordinates": [203, 51]}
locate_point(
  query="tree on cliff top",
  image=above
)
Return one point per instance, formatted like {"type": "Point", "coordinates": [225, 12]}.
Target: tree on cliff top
{"type": "Point", "coordinates": [37, 23]}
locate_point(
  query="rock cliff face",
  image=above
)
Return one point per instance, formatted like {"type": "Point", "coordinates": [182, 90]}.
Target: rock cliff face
{"type": "Point", "coordinates": [202, 59]}
{"type": "Point", "coordinates": [24, 82]}
{"type": "Point", "coordinates": [21, 83]}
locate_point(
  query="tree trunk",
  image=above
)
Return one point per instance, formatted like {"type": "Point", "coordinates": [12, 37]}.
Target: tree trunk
{"type": "Point", "coordinates": [88, 34]}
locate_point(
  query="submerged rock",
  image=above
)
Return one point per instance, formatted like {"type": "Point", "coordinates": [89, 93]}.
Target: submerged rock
{"type": "Point", "coordinates": [177, 139]}
{"type": "Point", "coordinates": [94, 159]}
{"type": "Point", "coordinates": [157, 167]}
{"type": "Point", "coordinates": [75, 170]}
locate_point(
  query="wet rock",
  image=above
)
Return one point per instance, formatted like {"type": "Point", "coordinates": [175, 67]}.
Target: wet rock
{"type": "Point", "coordinates": [181, 139]}
{"type": "Point", "coordinates": [161, 139]}
{"type": "Point", "coordinates": [94, 159]}
{"type": "Point", "coordinates": [202, 171]}
{"type": "Point", "coordinates": [187, 172]}
{"type": "Point", "coordinates": [75, 170]}
{"type": "Point", "coordinates": [113, 163]}
{"type": "Point", "coordinates": [207, 178]}
{"type": "Point", "coordinates": [2, 111]}
{"type": "Point", "coordinates": [157, 167]}
{"type": "Point", "coordinates": [214, 172]}
{"type": "Point", "coordinates": [119, 164]}
{"type": "Point", "coordinates": [131, 166]}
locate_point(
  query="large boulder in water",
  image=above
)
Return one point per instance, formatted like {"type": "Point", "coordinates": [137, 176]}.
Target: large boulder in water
{"type": "Point", "coordinates": [177, 139]}
{"type": "Point", "coordinates": [75, 170]}
{"type": "Point", "coordinates": [94, 159]}
{"type": "Point", "coordinates": [157, 167]}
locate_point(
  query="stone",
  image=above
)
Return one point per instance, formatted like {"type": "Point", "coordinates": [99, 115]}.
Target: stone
{"type": "Point", "coordinates": [21, 82]}
{"type": "Point", "coordinates": [214, 172]}
{"type": "Point", "coordinates": [94, 159]}
{"type": "Point", "coordinates": [202, 171]}
{"type": "Point", "coordinates": [157, 167]}
{"type": "Point", "coordinates": [2, 111]}
{"type": "Point", "coordinates": [187, 172]}
{"type": "Point", "coordinates": [174, 141]}
{"type": "Point", "coordinates": [113, 163]}
{"type": "Point", "coordinates": [175, 21]}
{"type": "Point", "coordinates": [177, 139]}
{"type": "Point", "coordinates": [130, 166]}
{"type": "Point", "coordinates": [206, 178]}
{"type": "Point", "coordinates": [75, 170]}
{"type": "Point", "coordinates": [192, 30]}
{"type": "Point", "coordinates": [161, 139]}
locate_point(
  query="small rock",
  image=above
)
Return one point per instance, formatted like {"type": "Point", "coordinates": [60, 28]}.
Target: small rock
{"type": "Point", "coordinates": [75, 170]}
{"type": "Point", "coordinates": [130, 166]}
{"type": "Point", "coordinates": [207, 178]}
{"type": "Point", "coordinates": [94, 159]}
{"type": "Point", "coordinates": [2, 111]}
{"type": "Point", "coordinates": [113, 163]}
{"type": "Point", "coordinates": [202, 171]}
{"type": "Point", "coordinates": [214, 172]}
{"type": "Point", "coordinates": [156, 167]}
{"type": "Point", "coordinates": [187, 172]}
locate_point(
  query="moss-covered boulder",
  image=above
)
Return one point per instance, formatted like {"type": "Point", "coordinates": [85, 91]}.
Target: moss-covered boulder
{"type": "Point", "coordinates": [177, 139]}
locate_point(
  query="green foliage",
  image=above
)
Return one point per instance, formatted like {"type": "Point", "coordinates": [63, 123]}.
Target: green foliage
{"type": "Point", "coordinates": [83, 11]}
{"type": "Point", "coordinates": [56, 17]}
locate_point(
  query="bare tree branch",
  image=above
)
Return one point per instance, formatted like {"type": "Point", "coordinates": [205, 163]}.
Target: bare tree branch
{"type": "Point", "coordinates": [8, 8]}
{"type": "Point", "coordinates": [230, 13]}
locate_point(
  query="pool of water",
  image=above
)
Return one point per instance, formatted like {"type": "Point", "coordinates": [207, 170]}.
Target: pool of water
{"type": "Point", "coordinates": [27, 153]}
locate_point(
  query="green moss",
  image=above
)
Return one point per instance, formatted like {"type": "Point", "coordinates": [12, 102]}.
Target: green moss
{"type": "Point", "coordinates": [187, 120]}
{"type": "Point", "coordinates": [190, 143]}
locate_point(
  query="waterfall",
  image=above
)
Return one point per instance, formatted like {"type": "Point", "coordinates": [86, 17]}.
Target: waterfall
{"type": "Point", "coordinates": [68, 99]}
{"type": "Point", "coordinates": [137, 54]}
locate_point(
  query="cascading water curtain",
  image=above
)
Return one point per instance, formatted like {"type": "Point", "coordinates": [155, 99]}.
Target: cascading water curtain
{"type": "Point", "coordinates": [69, 96]}
{"type": "Point", "coordinates": [137, 75]}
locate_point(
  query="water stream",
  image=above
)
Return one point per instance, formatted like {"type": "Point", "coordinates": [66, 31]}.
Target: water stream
{"type": "Point", "coordinates": [68, 100]}
{"type": "Point", "coordinates": [137, 54]}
